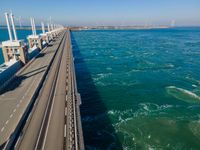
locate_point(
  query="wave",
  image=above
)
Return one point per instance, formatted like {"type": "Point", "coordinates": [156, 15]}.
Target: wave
{"type": "Point", "coordinates": [144, 109]}
{"type": "Point", "coordinates": [153, 67]}
{"type": "Point", "coordinates": [101, 76]}
{"type": "Point", "coordinates": [139, 129]}
{"type": "Point", "coordinates": [183, 94]}
{"type": "Point", "coordinates": [193, 85]}
{"type": "Point", "coordinates": [108, 68]}
{"type": "Point", "coordinates": [192, 80]}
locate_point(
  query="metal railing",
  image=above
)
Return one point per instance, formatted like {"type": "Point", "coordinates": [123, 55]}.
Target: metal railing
{"type": "Point", "coordinates": [74, 138]}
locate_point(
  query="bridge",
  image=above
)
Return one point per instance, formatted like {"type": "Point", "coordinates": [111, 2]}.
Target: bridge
{"type": "Point", "coordinates": [39, 108]}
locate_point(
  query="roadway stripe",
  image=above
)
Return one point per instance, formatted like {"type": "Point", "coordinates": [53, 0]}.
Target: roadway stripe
{"type": "Point", "coordinates": [2, 129]}
{"type": "Point", "coordinates": [7, 121]}
{"type": "Point", "coordinates": [65, 131]}
{"type": "Point", "coordinates": [65, 111]}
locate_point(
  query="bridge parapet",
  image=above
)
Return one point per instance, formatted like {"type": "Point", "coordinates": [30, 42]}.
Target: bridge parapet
{"type": "Point", "coordinates": [74, 137]}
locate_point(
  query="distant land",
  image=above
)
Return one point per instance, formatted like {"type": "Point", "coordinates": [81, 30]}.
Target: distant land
{"type": "Point", "coordinates": [93, 27]}
{"type": "Point", "coordinates": [119, 27]}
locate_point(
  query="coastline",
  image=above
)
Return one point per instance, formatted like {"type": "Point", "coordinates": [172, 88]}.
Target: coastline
{"type": "Point", "coordinates": [118, 27]}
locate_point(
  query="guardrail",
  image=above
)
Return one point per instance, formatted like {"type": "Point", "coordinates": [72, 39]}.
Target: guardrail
{"type": "Point", "coordinates": [74, 136]}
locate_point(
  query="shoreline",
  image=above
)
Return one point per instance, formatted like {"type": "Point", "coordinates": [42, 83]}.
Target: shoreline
{"type": "Point", "coordinates": [118, 27]}
{"type": "Point", "coordinates": [107, 27]}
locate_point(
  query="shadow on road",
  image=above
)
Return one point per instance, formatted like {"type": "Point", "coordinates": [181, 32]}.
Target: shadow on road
{"type": "Point", "coordinates": [18, 79]}
{"type": "Point", "coordinates": [97, 128]}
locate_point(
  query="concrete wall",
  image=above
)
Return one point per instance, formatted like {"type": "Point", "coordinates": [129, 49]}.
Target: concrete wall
{"type": "Point", "coordinates": [9, 72]}
{"type": "Point", "coordinates": [33, 53]}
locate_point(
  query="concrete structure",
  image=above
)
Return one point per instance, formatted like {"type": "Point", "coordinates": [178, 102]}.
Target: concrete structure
{"type": "Point", "coordinates": [49, 33]}
{"type": "Point", "coordinates": [34, 40]}
{"type": "Point", "coordinates": [7, 70]}
{"type": "Point", "coordinates": [22, 94]}
{"type": "Point", "coordinates": [14, 48]}
{"type": "Point", "coordinates": [45, 107]}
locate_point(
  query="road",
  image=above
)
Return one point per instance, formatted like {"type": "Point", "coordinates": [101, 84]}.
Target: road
{"type": "Point", "coordinates": [46, 102]}
{"type": "Point", "coordinates": [18, 95]}
{"type": "Point", "coordinates": [45, 128]}
{"type": "Point", "coordinates": [55, 121]}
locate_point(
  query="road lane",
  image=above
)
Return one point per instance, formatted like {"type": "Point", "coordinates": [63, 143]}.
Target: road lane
{"type": "Point", "coordinates": [32, 131]}
{"type": "Point", "coordinates": [54, 137]}
{"type": "Point", "coordinates": [18, 94]}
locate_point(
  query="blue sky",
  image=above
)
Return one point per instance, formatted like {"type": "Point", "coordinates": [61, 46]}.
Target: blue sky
{"type": "Point", "coordinates": [106, 12]}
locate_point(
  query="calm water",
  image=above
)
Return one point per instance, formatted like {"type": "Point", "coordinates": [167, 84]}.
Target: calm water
{"type": "Point", "coordinates": [22, 34]}
{"type": "Point", "coordinates": [140, 88]}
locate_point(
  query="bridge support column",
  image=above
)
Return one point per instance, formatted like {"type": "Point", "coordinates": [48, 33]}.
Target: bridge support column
{"type": "Point", "coordinates": [35, 40]}
{"type": "Point", "coordinates": [15, 50]}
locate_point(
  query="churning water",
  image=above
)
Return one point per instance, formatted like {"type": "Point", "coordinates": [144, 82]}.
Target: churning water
{"type": "Point", "coordinates": [140, 88]}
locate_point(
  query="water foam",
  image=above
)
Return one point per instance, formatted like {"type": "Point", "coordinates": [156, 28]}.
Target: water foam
{"type": "Point", "coordinates": [183, 94]}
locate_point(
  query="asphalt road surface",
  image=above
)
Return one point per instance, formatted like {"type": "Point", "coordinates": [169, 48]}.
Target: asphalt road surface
{"type": "Point", "coordinates": [18, 94]}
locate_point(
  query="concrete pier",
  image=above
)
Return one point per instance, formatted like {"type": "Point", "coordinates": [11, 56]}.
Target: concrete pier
{"type": "Point", "coordinates": [15, 50]}
{"type": "Point", "coordinates": [34, 40]}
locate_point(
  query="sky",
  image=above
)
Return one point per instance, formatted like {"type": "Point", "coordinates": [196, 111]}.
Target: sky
{"type": "Point", "coordinates": [105, 12]}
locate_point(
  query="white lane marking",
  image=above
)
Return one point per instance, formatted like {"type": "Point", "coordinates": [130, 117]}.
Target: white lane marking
{"type": "Point", "coordinates": [65, 131]}
{"type": "Point", "coordinates": [20, 101]}
{"type": "Point", "coordinates": [2, 129]}
{"type": "Point", "coordinates": [7, 121]}
{"type": "Point", "coordinates": [14, 110]}
{"type": "Point", "coordinates": [11, 115]}
{"type": "Point", "coordinates": [65, 111]}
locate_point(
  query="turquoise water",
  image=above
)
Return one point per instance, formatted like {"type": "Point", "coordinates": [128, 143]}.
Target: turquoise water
{"type": "Point", "coordinates": [22, 35]}
{"type": "Point", "coordinates": [140, 88]}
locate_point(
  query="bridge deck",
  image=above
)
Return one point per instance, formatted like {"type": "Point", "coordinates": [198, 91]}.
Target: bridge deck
{"type": "Point", "coordinates": [44, 103]}
{"type": "Point", "coordinates": [48, 115]}
{"type": "Point", "coordinates": [17, 95]}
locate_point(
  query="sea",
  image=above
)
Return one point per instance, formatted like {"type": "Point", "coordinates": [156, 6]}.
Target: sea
{"type": "Point", "coordinates": [22, 35]}
{"type": "Point", "coordinates": [140, 89]}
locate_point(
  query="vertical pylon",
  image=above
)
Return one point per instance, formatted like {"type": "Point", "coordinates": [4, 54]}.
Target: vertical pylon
{"type": "Point", "coordinates": [8, 26]}
{"type": "Point", "coordinates": [43, 28]}
{"type": "Point", "coordinates": [13, 26]}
